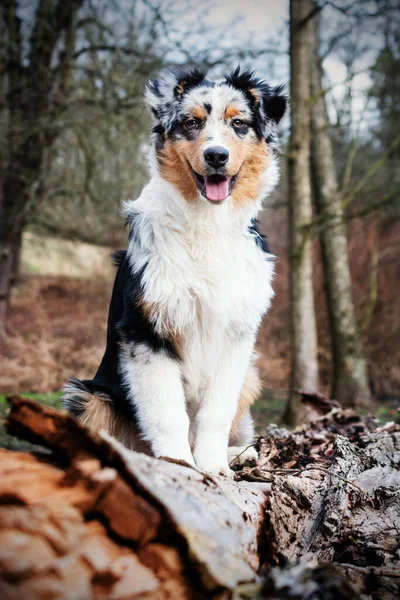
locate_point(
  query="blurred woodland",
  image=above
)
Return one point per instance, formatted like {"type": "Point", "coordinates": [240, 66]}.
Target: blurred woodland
{"type": "Point", "coordinates": [74, 137]}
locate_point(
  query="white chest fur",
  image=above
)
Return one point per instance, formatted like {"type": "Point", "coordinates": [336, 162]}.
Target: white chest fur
{"type": "Point", "coordinates": [204, 272]}
{"type": "Point", "coordinates": [203, 268]}
{"type": "Point", "coordinates": [205, 284]}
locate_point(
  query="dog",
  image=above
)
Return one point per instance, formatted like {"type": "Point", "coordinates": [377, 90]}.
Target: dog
{"type": "Point", "coordinates": [178, 375]}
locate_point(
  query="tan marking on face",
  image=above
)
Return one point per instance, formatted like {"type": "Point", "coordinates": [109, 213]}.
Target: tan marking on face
{"type": "Point", "coordinates": [247, 156]}
{"type": "Point", "coordinates": [249, 182]}
{"type": "Point", "coordinates": [192, 151]}
{"type": "Point", "coordinates": [199, 113]}
{"type": "Point", "coordinates": [175, 159]}
{"type": "Point", "coordinates": [232, 111]}
{"type": "Point", "coordinates": [167, 331]}
{"type": "Point", "coordinates": [250, 391]}
{"type": "Point", "coordinates": [239, 149]}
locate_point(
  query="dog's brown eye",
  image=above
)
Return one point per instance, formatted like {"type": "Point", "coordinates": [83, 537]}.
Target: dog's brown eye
{"type": "Point", "coordinates": [238, 123]}
{"type": "Point", "coordinates": [191, 124]}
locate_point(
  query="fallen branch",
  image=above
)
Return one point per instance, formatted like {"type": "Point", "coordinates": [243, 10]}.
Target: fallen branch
{"type": "Point", "coordinates": [90, 519]}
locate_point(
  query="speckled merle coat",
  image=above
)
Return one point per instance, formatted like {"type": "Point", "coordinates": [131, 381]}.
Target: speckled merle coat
{"type": "Point", "coordinates": [178, 375]}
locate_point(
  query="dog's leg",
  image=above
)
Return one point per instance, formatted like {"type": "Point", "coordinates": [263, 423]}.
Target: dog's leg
{"type": "Point", "coordinates": [242, 434]}
{"type": "Point", "coordinates": [218, 408]}
{"type": "Point", "coordinates": [240, 448]}
{"type": "Point", "coordinates": [156, 392]}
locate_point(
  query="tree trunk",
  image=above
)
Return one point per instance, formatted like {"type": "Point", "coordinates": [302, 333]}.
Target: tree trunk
{"type": "Point", "coordinates": [90, 519]}
{"type": "Point", "coordinates": [9, 268]}
{"type": "Point", "coordinates": [22, 171]}
{"type": "Point", "coordinates": [350, 378]}
{"type": "Point", "coordinates": [31, 100]}
{"type": "Point", "coordinates": [303, 325]}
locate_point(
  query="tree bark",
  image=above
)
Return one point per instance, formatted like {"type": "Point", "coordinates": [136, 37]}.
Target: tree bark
{"type": "Point", "coordinates": [303, 325]}
{"type": "Point", "coordinates": [350, 377]}
{"type": "Point", "coordinates": [31, 121]}
{"type": "Point", "coordinates": [90, 519]}
{"type": "Point", "coordinates": [9, 269]}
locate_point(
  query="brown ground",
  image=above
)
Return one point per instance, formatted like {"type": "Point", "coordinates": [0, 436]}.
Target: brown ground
{"type": "Point", "coordinates": [57, 325]}
{"type": "Point", "coordinates": [57, 330]}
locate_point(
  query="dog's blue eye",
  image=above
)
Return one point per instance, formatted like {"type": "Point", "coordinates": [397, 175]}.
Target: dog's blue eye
{"type": "Point", "coordinates": [191, 124]}
{"type": "Point", "coordinates": [238, 123]}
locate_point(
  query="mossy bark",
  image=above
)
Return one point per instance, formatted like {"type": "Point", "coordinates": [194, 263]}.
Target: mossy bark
{"type": "Point", "coordinates": [350, 378]}
{"type": "Point", "coordinates": [303, 324]}
{"type": "Point", "coordinates": [32, 106]}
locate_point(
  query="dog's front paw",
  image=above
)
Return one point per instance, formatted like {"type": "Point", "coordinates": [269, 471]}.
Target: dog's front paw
{"type": "Point", "coordinates": [241, 455]}
{"type": "Point", "coordinates": [223, 471]}
{"type": "Point", "coordinates": [214, 467]}
{"type": "Point", "coordinates": [174, 453]}
{"type": "Point", "coordinates": [226, 471]}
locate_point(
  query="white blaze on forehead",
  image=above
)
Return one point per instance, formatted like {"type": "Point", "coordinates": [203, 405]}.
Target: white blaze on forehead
{"type": "Point", "coordinates": [219, 98]}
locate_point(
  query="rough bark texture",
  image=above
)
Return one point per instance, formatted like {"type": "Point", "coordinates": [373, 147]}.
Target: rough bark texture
{"type": "Point", "coordinates": [320, 513]}
{"type": "Point", "coordinates": [303, 324]}
{"type": "Point", "coordinates": [350, 377]}
{"type": "Point", "coordinates": [163, 521]}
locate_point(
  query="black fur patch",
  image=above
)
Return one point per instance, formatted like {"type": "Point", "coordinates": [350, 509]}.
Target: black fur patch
{"type": "Point", "coordinates": [158, 128]}
{"type": "Point", "coordinates": [118, 257]}
{"type": "Point", "coordinates": [133, 326]}
{"type": "Point", "coordinates": [242, 131]}
{"type": "Point", "coordinates": [260, 239]}
{"type": "Point", "coordinates": [107, 379]}
{"type": "Point", "coordinates": [159, 132]}
{"type": "Point", "coordinates": [244, 81]}
{"type": "Point", "coordinates": [126, 323]}
{"type": "Point", "coordinates": [272, 101]}
{"type": "Point", "coordinates": [187, 80]}
{"type": "Point", "coordinates": [178, 130]}
{"type": "Point", "coordinates": [275, 103]}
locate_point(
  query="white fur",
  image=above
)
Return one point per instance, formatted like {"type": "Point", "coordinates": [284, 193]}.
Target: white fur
{"type": "Point", "coordinates": [216, 130]}
{"type": "Point", "coordinates": [244, 433]}
{"type": "Point", "coordinates": [242, 454]}
{"type": "Point", "coordinates": [154, 381]}
{"type": "Point", "coordinates": [211, 283]}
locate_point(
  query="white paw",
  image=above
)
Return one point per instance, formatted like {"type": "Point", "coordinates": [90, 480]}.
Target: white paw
{"type": "Point", "coordinates": [221, 472]}
{"type": "Point", "coordinates": [174, 454]}
{"type": "Point", "coordinates": [214, 468]}
{"type": "Point", "coordinates": [242, 455]}
{"type": "Point", "coordinates": [225, 471]}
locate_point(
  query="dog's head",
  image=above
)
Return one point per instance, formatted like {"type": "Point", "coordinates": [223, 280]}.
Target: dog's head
{"type": "Point", "coordinates": [215, 139]}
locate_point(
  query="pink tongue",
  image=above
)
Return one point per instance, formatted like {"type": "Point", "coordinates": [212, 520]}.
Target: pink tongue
{"type": "Point", "coordinates": [217, 191]}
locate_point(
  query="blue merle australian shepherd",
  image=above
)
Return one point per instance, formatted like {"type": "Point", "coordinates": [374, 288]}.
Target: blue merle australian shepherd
{"type": "Point", "coordinates": [178, 375]}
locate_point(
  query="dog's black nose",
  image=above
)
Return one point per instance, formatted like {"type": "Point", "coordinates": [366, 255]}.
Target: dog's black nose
{"type": "Point", "coordinates": [216, 157]}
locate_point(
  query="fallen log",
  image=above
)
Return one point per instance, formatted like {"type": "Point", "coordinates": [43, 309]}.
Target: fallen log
{"type": "Point", "coordinates": [90, 519]}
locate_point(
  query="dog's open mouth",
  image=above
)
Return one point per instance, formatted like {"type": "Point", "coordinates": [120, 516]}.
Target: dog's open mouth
{"type": "Point", "coordinates": [215, 187]}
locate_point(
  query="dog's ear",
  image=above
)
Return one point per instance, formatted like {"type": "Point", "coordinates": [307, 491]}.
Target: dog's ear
{"type": "Point", "coordinates": [269, 104]}
{"type": "Point", "coordinates": [168, 89]}
{"type": "Point", "coordinates": [275, 102]}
